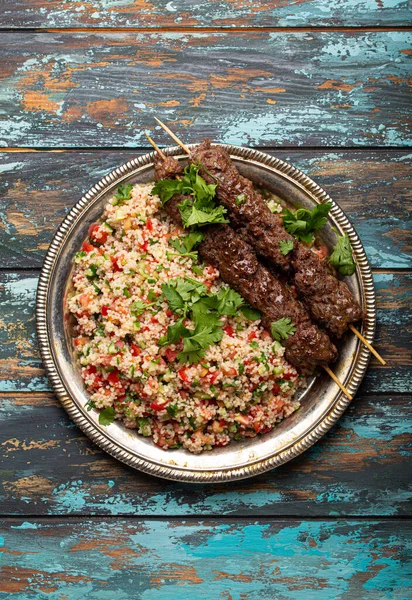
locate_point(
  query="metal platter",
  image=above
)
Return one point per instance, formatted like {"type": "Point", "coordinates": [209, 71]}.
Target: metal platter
{"type": "Point", "coordinates": [322, 401]}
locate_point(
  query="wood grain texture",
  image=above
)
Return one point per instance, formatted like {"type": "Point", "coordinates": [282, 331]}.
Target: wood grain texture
{"type": "Point", "coordinates": [253, 88]}
{"type": "Point", "coordinates": [217, 13]}
{"type": "Point", "coordinates": [38, 189]}
{"type": "Point", "coordinates": [195, 560]}
{"type": "Point", "coordinates": [360, 468]}
{"type": "Point", "coordinates": [21, 369]}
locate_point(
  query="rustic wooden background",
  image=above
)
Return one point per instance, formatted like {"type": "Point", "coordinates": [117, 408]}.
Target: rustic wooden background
{"type": "Point", "coordinates": [321, 84]}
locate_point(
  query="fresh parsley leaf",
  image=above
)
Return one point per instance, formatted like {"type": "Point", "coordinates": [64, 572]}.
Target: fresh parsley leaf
{"type": "Point", "coordinates": [173, 297]}
{"type": "Point", "coordinates": [286, 246]}
{"type": "Point", "coordinates": [175, 332]}
{"type": "Point", "coordinates": [106, 416]}
{"type": "Point", "coordinates": [342, 257]}
{"type": "Point", "coordinates": [194, 213]}
{"type": "Point", "coordinates": [252, 314]}
{"type": "Point", "coordinates": [166, 189]}
{"type": "Point", "coordinates": [138, 307]}
{"type": "Point", "coordinates": [200, 207]}
{"type": "Point", "coordinates": [172, 409]}
{"type": "Point", "coordinates": [194, 346]}
{"type": "Point", "coordinates": [91, 272]}
{"type": "Point", "coordinates": [123, 193]}
{"type": "Point", "coordinates": [226, 301]}
{"type": "Point", "coordinates": [282, 329]}
{"type": "Point", "coordinates": [240, 199]}
{"type": "Point", "coordinates": [182, 293]}
{"type": "Point", "coordinates": [192, 240]}
{"type": "Point", "coordinates": [302, 222]}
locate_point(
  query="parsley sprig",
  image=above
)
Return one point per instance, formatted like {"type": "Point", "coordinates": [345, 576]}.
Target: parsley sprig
{"type": "Point", "coordinates": [199, 208]}
{"type": "Point", "coordinates": [341, 257]}
{"type": "Point", "coordinates": [188, 298]}
{"type": "Point", "coordinates": [124, 192]}
{"type": "Point", "coordinates": [282, 329]}
{"type": "Point", "coordinates": [302, 223]}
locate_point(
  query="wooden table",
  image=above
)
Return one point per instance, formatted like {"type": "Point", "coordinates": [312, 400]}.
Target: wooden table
{"type": "Point", "coordinates": [320, 84]}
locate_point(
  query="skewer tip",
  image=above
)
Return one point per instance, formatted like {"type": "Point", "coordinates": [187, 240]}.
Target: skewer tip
{"type": "Point", "coordinates": [155, 146]}
{"type": "Point", "coordinates": [172, 135]}
{"type": "Point", "coordinates": [338, 382]}
{"type": "Point", "coordinates": [367, 344]}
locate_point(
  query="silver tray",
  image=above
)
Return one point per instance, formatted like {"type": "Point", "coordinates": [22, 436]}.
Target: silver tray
{"type": "Point", "coordinates": [322, 402]}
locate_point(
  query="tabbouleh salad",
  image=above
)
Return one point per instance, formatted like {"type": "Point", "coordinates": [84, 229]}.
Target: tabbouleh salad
{"type": "Point", "coordinates": [164, 345]}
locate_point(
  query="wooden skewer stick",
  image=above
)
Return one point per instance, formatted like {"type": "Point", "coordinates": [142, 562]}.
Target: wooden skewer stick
{"type": "Point", "coordinates": [367, 344]}
{"type": "Point", "coordinates": [186, 149]}
{"type": "Point", "coordinates": [172, 135]}
{"type": "Point", "coordinates": [156, 147]}
{"type": "Point", "coordinates": [338, 383]}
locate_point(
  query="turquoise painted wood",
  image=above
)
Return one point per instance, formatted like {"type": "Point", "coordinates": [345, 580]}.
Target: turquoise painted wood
{"type": "Point", "coordinates": [195, 560]}
{"type": "Point", "coordinates": [360, 468]}
{"type": "Point", "coordinates": [219, 13]}
{"type": "Point", "coordinates": [21, 370]}
{"type": "Point", "coordinates": [336, 88]}
{"type": "Point", "coordinates": [373, 187]}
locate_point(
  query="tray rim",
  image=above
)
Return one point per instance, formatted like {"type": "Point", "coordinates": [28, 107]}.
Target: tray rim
{"type": "Point", "coordinates": [167, 471]}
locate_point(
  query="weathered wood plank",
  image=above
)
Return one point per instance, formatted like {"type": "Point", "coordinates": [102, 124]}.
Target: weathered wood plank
{"type": "Point", "coordinates": [220, 13]}
{"type": "Point", "coordinates": [360, 468]}
{"type": "Point", "coordinates": [21, 370]}
{"type": "Point", "coordinates": [253, 88]}
{"type": "Point", "coordinates": [373, 187]}
{"type": "Point", "coordinates": [195, 560]}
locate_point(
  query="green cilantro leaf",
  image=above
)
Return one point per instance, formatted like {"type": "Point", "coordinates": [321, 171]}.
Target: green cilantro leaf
{"type": "Point", "coordinates": [252, 314]}
{"type": "Point", "coordinates": [282, 329]}
{"type": "Point", "coordinates": [123, 193]}
{"type": "Point", "coordinates": [166, 189]}
{"type": "Point", "coordinates": [138, 307]}
{"type": "Point", "coordinates": [106, 416]}
{"type": "Point", "coordinates": [226, 301]}
{"type": "Point", "coordinates": [286, 246]}
{"type": "Point", "coordinates": [194, 213]}
{"type": "Point", "coordinates": [302, 222]}
{"type": "Point", "coordinates": [185, 245]}
{"type": "Point", "coordinates": [342, 257]}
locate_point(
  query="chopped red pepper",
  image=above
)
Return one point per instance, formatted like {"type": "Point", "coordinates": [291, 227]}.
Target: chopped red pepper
{"type": "Point", "coordinates": [157, 406]}
{"type": "Point", "coordinates": [171, 354]}
{"type": "Point", "coordinates": [115, 264]}
{"type": "Point", "coordinates": [252, 335]}
{"type": "Point", "coordinates": [87, 247]}
{"type": "Point", "coordinates": [105, 310]}
{"type": "Point", "coordinates": [229, 330]}
{"type": "Point", "coordinates": [113, 377]}
{"type": "Point", "coordinates": [149, 225]}
{"type": "Point", "coordinates": [183, 375]}
{"type": "Point", "coordinates": [135, 350]}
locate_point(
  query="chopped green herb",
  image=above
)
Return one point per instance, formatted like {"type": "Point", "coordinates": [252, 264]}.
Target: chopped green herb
{"type": "Point", "coordinates": [341, 257]}
{"type": "Point", "coordinates": [240, 199]}
{"type": "Point", "coordinates": [302, 222]}
{"type": "Point", "coordinates": [254, 345]}
{"type": "Point", "coordinates": [282, 329]}
{"type": "Point", "coordinates": [172, 409]}
{"type": "Point", "coordinates": [241, 368]}
{"type": "Point", "coordinates": [286, 246]}
{"type": "Point", "coordinates": [127, 293]}
{"type": "Point", "coordinates": [106, 416]}
{"type": "Point", "coordinates": [123, 194]}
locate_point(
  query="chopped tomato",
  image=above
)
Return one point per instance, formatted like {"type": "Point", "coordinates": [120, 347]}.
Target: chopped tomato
{"type": "Point", "coordinates": [183, 375]}
{"type": "Point", "coordinates": [87, 247]}
{"type": "Point", "coordinates": [321, 252]}
{"type": "Point", "coordinates": [105, 310]}
{"type": "Point", "coordinates": [183, 394]}
{"type": "Point", "coordinates": [79, 341]}
{"type": "Point", "coordinates": [257, 427]}
{"type": "Point", "coordinates": [169, 313]}
{"type": "Point", "coordinates": [252, 335]}
{"type": "Point", "coordinates": [135, 350]}
{"type": "Point", "coordinates": [149, 225]}
{"type": "Point", "coordinates": [276, 388]}
{"type": "Point", "coordinates": [154, 320]}
{"type": "Point", "coordinates": [158, 406]}
{"type": "Point", "coordinates": [97, 234]}
{"type": "Point", "coordinates": [229, 371]}
{"type": "Point", "coordinates": [144, 246]}
{"type": "Point", "coordinates": [213, 376]}
{"type": "Point", "coordinates": [85, 300]}
{"type": "Point", "coordinates": [287, 376]}
{"type": "Point", "coordinates": [115, 264]}
{"type": "Point", "coordinates": [171, 354]}
{"type": "Point", "coordinates": [229, 330]}
{"type": "Point", "coordinates": [113, 377]}
{"type": "Point", "coordinates": [90, 370]}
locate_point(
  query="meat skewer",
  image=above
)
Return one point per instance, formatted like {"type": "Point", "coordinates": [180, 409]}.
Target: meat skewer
{"type": "Point", "coordinates": [239, 267]}
{"type": "Point", "coordinates": [328, 299]}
